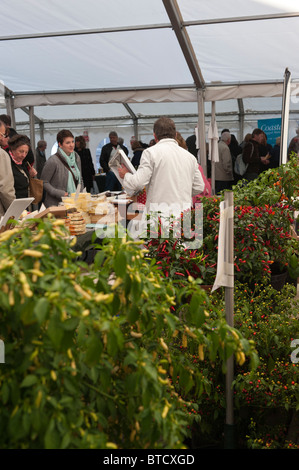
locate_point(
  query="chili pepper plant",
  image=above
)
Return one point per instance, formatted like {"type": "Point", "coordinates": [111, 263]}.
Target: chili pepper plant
{"type": "Point", "coordinates": [91, 350]}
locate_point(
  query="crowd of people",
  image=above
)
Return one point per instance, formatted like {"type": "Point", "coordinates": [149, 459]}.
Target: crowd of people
{"type": "Point", "coordinates": [61, 173]}
{"type": "Point", "coordinates": [164, 166]}
{"type": "Point", "coordinates": [257, 154]}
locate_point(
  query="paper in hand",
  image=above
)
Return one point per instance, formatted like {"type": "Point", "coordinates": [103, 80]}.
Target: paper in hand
{"type": "Point", "coordinates": [119, 159]}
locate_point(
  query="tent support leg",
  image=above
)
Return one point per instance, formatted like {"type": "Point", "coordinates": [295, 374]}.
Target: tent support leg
{"type": "Point", "coordinates": [10, 109]}
{"type": "Point", "coordinates": [32, 130]}
{"type": "Point", "coordinates": [229, 430]}
{"type": "Point", "coordinates": [201, 129]}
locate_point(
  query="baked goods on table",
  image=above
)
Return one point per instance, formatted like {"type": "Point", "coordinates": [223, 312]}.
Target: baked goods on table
{"type": "Point", "coordinates": [86, 209]}
{"type": "Point", "coordinates": [75, 223]}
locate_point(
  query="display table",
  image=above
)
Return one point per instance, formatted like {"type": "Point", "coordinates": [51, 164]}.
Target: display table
{"type": "Point", "coordinates": [100, 179]}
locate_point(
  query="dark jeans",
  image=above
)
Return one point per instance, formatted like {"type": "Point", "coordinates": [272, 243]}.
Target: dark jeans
{"type": "Point", "coordinates": [221, 185]}
{"type": "Point", "coordinates": [112, 183]}
{"type": "Point", "coordinates": [250, 176]}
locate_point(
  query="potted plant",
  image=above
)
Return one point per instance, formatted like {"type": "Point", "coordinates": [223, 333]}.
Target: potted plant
{"type": "Point", "coordinates": [91, 352]}
{"type": "Point", "coordinates": [263, 242]}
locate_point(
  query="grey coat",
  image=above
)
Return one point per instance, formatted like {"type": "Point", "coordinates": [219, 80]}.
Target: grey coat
{"type": "Point", "coordinates": [224, 168]}
{"type": "Point", "coordinates": [55, 176]}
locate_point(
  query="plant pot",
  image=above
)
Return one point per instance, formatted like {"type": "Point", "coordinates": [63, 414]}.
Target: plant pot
{"type": "Point", "coordinates": [207, 287]}
{"type": "Point", "coordinates": [278, 280]}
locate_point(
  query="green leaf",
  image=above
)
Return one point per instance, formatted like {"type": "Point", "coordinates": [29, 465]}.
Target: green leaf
{"type": "Point", "coordinates": [171, 322]}
{"type": "Point", "coordinates": [133, 313]}
{"type": "Point", "coordinates": [5, 393]}
{"type": "Point", "coordinates": [112, 346]}
{"type": "Point", "coordinates": [29, 381]}
{"type": "Point", "coordinates": [271, 364]}
{"type": "Point", "coordinates": [94, 350]}
{"type": "Point", "coordinates": [55, 332]}
{"type": "Point", "coordinates": [136, 290]}
{"type": "Point", "coordinates": [27, 316]}
{"type": "Point", "coordinates": [81, 332]}
{"type": "Point", "coordinates": [120, 264]}
{"type": "Point", "coordinates": [52, 439]}
{"type": "Point", "coordinates": [70, 324]}
{"type": "Point", "coordinates": [131, 382]}
{"type": "Point", "coordinates": [70, 387]}
{"type": "Point", "coordinates": [197, 310]}
{"type": "Point", "coordinates": [65, 441]}
{"type": "Point", "coordinates": [41, 309]}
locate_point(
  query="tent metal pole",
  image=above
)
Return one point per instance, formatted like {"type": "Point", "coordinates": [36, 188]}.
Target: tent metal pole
{"type": "Point", "coordinates": [201, 129]}
{"type": "Point", "coordinates": [239, 19]}
{"type": "Point", "coordinates": [41, 130]}
{"type": "Point", "coordinates": [32, 128]}
{"type": "Point", "coordinates": [213, 118]}
{"type": "Point", "coordinates": [175, 16]}
{"type": "Point", "coordinates": [134, 118]}
{"type": "Point", "coordinates": [120, 29]}
{"type": "Point", "coordinates": [285, 117]}
{"type": "Point", "coordinates": [241, 119]}
{"type": "Point", "coordinates": [229, 314]}
{"type": "Point", "coordinates": [11, 110]}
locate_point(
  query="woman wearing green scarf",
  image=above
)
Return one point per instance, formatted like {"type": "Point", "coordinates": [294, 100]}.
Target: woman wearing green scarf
{"type": "Point", "coordinates": [62, 171]}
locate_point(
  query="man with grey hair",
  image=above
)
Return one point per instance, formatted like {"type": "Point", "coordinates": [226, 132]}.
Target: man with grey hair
{"type": "Point", "coordinates": [224, 168]}
{"type": "Point", "coordinates": [169, 173]}
{"type": "Point", "coordinates": [112, 183]}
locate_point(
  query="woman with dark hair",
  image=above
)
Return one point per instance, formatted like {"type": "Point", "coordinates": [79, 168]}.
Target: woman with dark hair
{"type": "Point", "coordinates": [87, 167]}
{"type": "Point", "coordinates": [19, 146]}
{"type": "Point", "coordinates": [62, 171]}
{"type": "Point", "coordinates": [137, 152]}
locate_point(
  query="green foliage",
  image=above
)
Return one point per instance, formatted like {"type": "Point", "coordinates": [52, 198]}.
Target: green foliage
{"type": "Point", "coordinates": [92, 352]}
{"type": "Point", "coordinates": [277, 185]}
{"type": "Point", "coordinates": [269, 318]}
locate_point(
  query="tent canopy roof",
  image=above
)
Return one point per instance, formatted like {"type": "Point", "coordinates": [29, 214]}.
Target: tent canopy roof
{"type": "Point", "coordinates": [146, 51]}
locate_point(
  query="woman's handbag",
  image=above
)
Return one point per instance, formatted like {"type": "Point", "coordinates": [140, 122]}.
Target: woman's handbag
{"type": "Point", "coordinates": [65, 163]}
{"type": "Point", "coordinates": [36, 188]}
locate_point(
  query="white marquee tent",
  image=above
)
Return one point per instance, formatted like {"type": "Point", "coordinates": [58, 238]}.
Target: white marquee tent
{"type": "Point", "coordinates": [99, 65]}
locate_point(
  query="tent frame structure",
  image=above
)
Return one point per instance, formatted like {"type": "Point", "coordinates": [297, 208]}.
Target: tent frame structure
{"type": "Point", "coordinates": [199, 92]}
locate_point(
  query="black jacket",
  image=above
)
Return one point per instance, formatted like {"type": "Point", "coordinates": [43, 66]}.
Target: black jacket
{"type": "Point", "coordinates": [21, 182]}
{"type": "Point", "coordinates": [251, 155]}
{"type": "Point", "coordinates": [87, 168]}
{"type": "Point", "coordinates": [136, 157]}
{"type": "Point", "coordinates": [40, 158]}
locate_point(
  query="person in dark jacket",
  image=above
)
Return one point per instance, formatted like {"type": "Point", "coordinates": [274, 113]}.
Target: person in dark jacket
{"type": "Point", "coordinates": [87, 167]}
{"type": "Point", "coordinates": [293, 146]}
{"type": "Point", "coordinates": [112, 183]}
{"type": "Point", "coordinates": [40, 156]}
{"type": "Point", "coordinates": [137, 152]}
{"type": "Point", "coordinates": [275, 156]}
{"type": "Point", "coordinates": [252, 154]}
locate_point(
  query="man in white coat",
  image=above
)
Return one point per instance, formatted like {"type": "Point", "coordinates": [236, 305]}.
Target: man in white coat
{"type": "Point", "coordinates": [169, 173]}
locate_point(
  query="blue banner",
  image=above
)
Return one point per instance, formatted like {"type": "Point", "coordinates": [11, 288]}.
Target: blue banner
{"type": "Point", "coordinates": [272, 129]}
